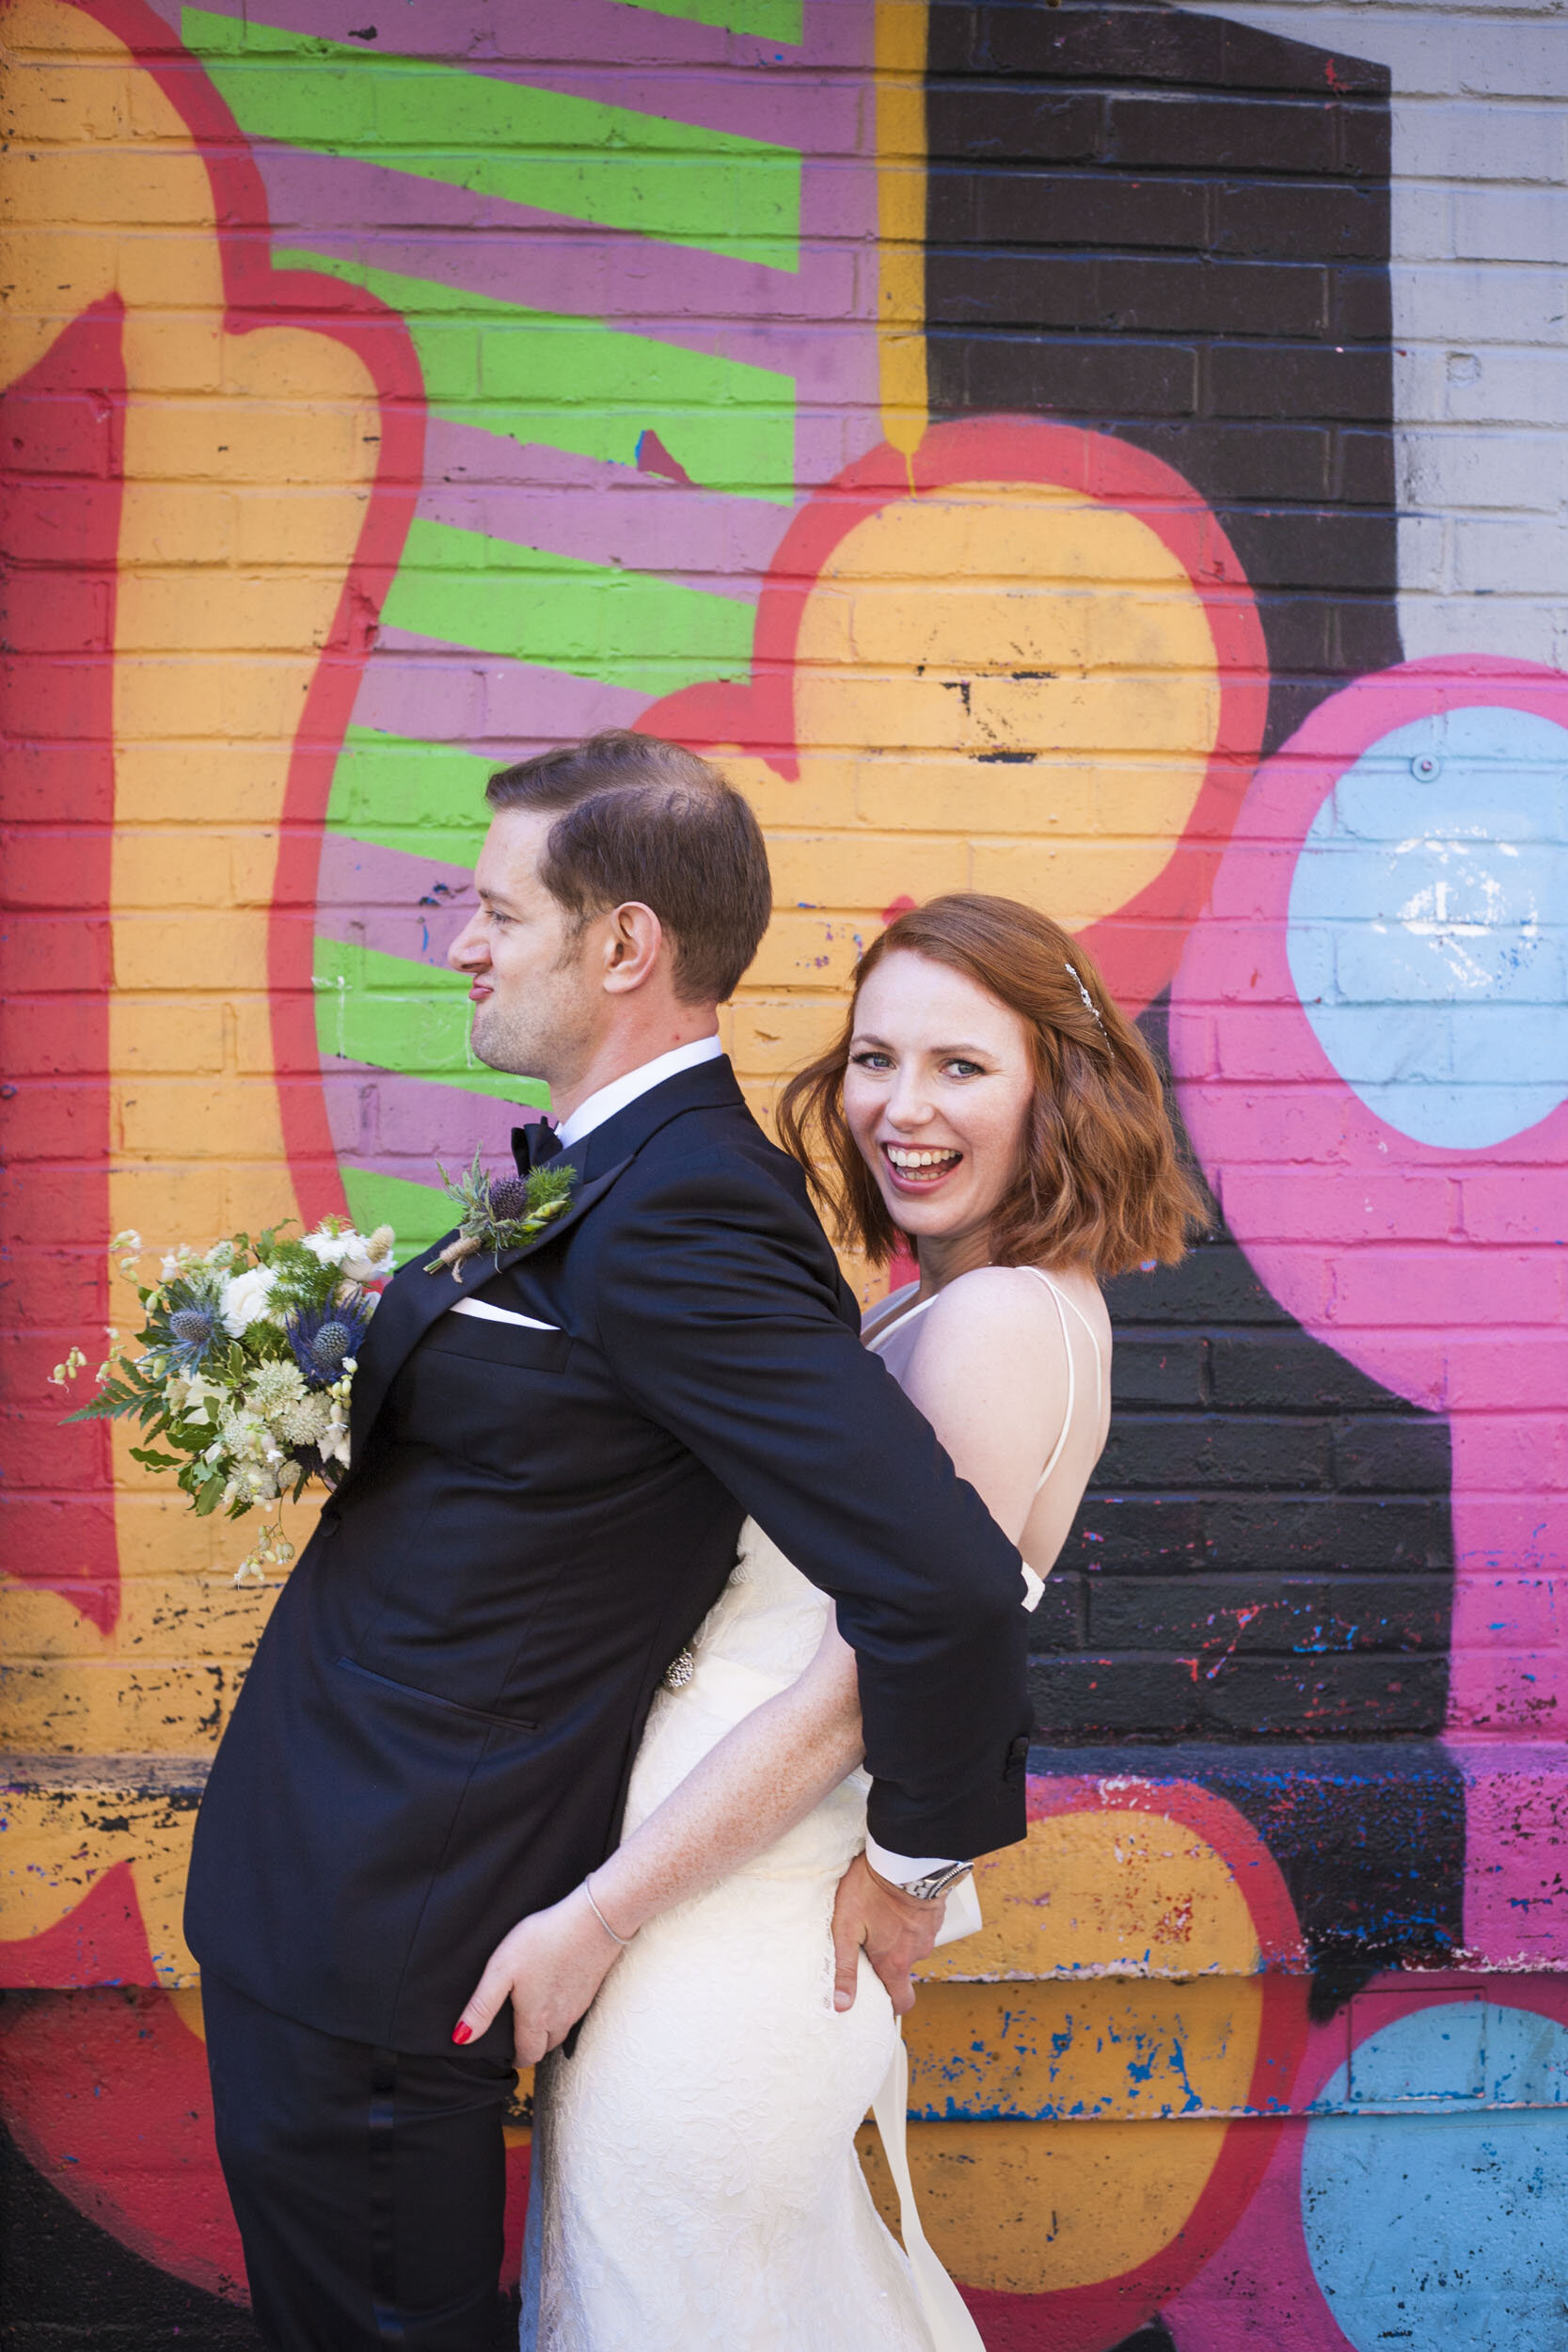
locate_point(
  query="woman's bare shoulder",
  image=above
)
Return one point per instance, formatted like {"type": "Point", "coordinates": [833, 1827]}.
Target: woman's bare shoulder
{"type": "Point", "coordinates": [1006, 1305]}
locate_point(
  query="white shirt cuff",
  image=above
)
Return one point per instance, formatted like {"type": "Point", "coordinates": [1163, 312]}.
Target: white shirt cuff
{"type": "Point", "coordinates": [904, 1868]}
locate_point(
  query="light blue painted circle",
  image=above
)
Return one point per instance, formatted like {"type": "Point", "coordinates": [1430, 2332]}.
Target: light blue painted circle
{"type": "Point", "coordinates": [1436, 2220]}
{"type": "Point", "coordinates": [1428, 928]}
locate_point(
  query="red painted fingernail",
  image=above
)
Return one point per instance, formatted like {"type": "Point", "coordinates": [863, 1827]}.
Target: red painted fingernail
{"type": "Point", "coordinates": [461, 2033]}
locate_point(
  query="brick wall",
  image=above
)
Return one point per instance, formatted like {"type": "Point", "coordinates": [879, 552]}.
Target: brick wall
{"type": "Point", "coordinates": [1109, 454]}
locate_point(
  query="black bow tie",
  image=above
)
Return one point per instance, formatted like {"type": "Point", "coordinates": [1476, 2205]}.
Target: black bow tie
{"type": "Point", "coordinates": [534, 1145]}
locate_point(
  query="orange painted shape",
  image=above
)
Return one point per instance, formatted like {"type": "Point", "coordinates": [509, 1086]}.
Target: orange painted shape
{"type": "Point", "coordinates": [1031, 654]}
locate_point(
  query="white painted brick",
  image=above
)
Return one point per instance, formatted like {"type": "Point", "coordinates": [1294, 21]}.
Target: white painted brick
{"type": "Point", "coordinates": [1522, 628]}
{"type": "Point", "coordinates": [1489, 302]}
{"type": "Point", "coordinates": [1509, 558]}
{"type": "Point", "coordinates": [1510, 224]}
{"type": "Point", "coordinates": [1424, 551]}
{"type": "Point", "coordinates": [1471, 468]}
{"type": "Point", "coordinates": [1507, 388]}
{"type": "Point", "coordinates": [1440, 140]}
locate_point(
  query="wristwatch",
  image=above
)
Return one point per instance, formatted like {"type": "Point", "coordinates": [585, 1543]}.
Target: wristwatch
{"type": "Point", "coordinates": [937, 1883]}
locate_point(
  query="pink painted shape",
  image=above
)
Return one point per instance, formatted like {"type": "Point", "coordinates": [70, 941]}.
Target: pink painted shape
{"type": "Point", "coordinates": [1260, 2292]}
{"type": "Point", "coordinates": [1468, 1319]}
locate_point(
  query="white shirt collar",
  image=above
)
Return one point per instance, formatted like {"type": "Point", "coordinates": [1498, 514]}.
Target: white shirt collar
{"type": "Point", "coordinates": [596, 1108]}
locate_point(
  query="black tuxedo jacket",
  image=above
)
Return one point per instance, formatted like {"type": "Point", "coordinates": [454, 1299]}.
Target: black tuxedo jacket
{"type": "Point", "coordinates": [436, 1732]}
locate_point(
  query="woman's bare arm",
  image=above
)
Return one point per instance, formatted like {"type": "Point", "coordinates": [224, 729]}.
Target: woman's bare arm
{"type": "Point", "coordinates": [762, 1777]}
{"type": "Point", "coordinates": [765, 1774]}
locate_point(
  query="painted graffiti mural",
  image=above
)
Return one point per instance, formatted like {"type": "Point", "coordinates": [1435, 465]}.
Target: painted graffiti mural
{"type": "Point", "coordinates": [1098, 455]}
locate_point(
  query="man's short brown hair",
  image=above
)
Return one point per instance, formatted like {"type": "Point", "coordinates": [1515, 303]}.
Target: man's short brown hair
{"type": "Point", "coordinates": [644, 820]}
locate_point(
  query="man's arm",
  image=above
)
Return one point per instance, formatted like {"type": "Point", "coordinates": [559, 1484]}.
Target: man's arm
{"type": "Point", "coordinates": [715, 1302]}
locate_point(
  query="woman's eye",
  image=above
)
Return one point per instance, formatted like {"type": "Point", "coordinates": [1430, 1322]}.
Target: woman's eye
{"type": "Point", "coordinates": [959, 1068]}
{"type": "Point", "coordinates": [871, 1059]}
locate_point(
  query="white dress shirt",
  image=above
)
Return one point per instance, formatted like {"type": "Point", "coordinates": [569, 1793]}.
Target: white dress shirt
{"type": "Point", "coordinates": [596, 1108]}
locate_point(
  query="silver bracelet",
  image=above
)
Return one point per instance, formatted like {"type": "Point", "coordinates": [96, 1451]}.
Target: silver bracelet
{"type": "Point", "coordinates": [588, 1890]}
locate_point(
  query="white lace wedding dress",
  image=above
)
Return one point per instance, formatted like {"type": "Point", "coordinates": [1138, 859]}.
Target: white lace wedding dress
{"type": "Point", "coordinates": [695, 2185]}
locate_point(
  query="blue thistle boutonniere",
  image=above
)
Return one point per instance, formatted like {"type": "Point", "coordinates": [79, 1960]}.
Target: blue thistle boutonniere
{"type": "Point", "coordinates": [502, 1214]}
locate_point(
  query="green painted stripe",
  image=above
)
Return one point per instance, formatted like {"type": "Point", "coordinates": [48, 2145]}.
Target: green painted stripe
{"type": "Point", "coordinates": [626, 629]}
{"type": "Point", "coordinates": [678, 181]}
{"type": "Point", "coordinates": [410, 1018]}
{"type": "Point", "coordinates": [418, 1214]}
{"type": "Point", "coordinates": [425, 799]}
{"type": "Point", "coordinates": [773, 20]}
{"type": "Point", "coordinates": [577, 384]}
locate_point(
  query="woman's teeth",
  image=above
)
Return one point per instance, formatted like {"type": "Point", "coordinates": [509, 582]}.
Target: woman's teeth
{"type": "Point", "coordinates": [911, 1163]}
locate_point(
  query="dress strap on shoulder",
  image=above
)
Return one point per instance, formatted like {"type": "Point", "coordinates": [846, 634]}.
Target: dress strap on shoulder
{"type": "Point", "coordinates": [1063, 1303]}
{"type": "Point", "coordinates": [889, 1324]}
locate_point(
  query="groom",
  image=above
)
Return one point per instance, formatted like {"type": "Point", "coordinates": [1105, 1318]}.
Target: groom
{"type": "Point", "coordinates": [551, 1463]}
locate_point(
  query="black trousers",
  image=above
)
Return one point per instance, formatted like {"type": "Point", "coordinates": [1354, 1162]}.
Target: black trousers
{"type": "Point", "coordinates": [369, 2185]}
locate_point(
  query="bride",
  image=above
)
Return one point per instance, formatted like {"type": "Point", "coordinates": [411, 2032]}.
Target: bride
{"type": "Point", "coordinates": [695, 2181]}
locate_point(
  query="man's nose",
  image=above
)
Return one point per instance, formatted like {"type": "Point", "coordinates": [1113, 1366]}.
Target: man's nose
{"type": "Point", "coordinates": [467, 950]}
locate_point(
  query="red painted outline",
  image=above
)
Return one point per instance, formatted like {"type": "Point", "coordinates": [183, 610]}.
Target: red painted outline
{"type": "Point", "coordinates": [1095, 2317]}
{"type": "Point", "coordinates": [1139, 944]}
{"type": "Point", "coordinates": [257, 296]}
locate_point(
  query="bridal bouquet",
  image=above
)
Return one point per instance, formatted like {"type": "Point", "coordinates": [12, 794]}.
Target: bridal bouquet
{"type": "Point", "coordinates": [246, 1362]}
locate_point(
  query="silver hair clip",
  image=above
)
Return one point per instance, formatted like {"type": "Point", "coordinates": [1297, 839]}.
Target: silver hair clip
{"type": "Point", "coordinates": [1083, 991]}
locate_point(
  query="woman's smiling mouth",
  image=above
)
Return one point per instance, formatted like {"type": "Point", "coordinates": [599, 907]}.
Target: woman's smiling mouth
{"type": "Point", "coordinates": [916, 1168]}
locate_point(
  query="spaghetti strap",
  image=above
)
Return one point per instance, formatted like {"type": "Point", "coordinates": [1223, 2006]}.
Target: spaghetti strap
{"type": "Point", "coordinates": [1063, 1303]}
{"type": "Point", "coordinates": [896, 1323]}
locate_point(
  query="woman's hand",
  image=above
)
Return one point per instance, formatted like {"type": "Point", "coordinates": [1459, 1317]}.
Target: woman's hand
{"type": "Point", "coordinates": [550, 1967]}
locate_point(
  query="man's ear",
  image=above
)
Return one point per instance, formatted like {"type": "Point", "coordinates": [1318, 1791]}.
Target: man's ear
{"type": "Point", "coordinates": [633, 944]}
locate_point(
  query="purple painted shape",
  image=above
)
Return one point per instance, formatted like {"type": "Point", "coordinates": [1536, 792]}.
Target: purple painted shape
{"type": "Point", "coordinates": [818, 327]}
{"type": "Point", "coordinates": [398, 1126]}
{"type": "Point", "coordinates": [601, 513]}
{"type": "Point", "coordinates": [1335, 1210]}
{"type": "Point", "coordinates": [417, 687]}
{"type": "Point", "coordinates": [628, 58]}
{"type": "Point", "coordinates": [391, 900]}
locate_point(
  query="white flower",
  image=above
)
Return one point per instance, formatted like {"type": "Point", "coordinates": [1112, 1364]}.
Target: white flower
{"type": "Point", "coordinates": [373, 1259]}
{"type": "Point", "coordinates": [272, 1389]}
{"type": "Point", "coordinates": [305, 1423]}
{"type": "Point", "coordinates": [330, 1246]}
{"type": "Point", "coordinates": [333, 1441]}
{"type": "Point", "coordinates": [244, 1300]}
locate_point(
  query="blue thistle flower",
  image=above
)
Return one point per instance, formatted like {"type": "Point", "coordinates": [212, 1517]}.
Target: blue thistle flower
{"type": "Point", "coordinates": [322, 1337]}
{"type": "Point", "coordinates": [192, 1330]}
{"type": "Point", "coordinates": [508, 1198]}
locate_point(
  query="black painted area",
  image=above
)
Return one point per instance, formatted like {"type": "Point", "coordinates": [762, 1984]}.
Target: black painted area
{"type": "Point", "coordinates": [1175, 228]}
{"type": "Point", "coordinates": [1266, 1550]}
{"type": "Point", "coordinates": [1156, 2337]}
{"type": "Point", "coordinates": [68, 2286]}
{"type": "Point", "coordinates": [1368, 1838]}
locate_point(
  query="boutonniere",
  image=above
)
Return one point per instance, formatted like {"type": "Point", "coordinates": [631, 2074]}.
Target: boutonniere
{"type": "Point", "coordinates": [502, 1214]}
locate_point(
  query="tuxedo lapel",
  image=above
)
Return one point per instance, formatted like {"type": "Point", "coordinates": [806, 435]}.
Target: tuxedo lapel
{"type": "Point", "coordinates": [414, 1300]}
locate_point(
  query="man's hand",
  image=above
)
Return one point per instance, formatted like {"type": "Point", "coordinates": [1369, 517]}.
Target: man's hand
{"type": "Point", "coordinates": [894, 1929]}
{"type": "Point", "coordinates": [550, 1967]}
